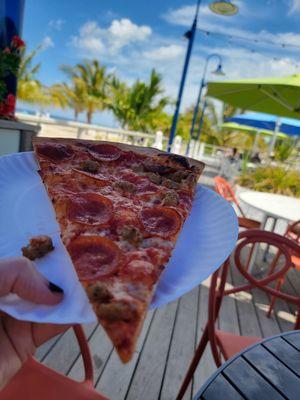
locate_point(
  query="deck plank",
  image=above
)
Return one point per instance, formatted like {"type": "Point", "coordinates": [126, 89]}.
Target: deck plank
{"type": "Point", "coordinates": [228, 318]}
{"type": "Point", "coordinates": [117, 389]}
{"type": "Point", "coordinates": [101, 348]}
{"type": "Point", "coordinates": [43, 350]}
{"type": "Point", "coordinates": [148, 376]}
{"type": "Point", "coordinates": [248, 320]}
{"type": "Point", "coordinates": [65, 351]}
{"type": "Point", "coordinates": [207, 365]}
{"type": "Point", "coordinates": [182, 347]}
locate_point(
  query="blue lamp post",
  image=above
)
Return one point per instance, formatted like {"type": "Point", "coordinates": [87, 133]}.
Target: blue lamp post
{"type": "Point", "coordinates": [218, 71]}
{"type": "Point", "coordinates": [222, 7]}
{"type": "Point", "coordinates": [11, 20]}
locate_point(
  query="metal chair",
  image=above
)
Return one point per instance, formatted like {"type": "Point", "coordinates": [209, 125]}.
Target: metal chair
{"type": "Point", "coordinates": [292, 233]}
{"type": "Point", "coordinates": [223, 344]}
{"type": "Point", "coordinates": [224, 189]}
{"type": "Point", "coordinates": [35, 381]}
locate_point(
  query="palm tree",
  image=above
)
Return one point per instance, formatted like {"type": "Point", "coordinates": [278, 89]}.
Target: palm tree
{"type": "Point", "coordinates": [30, 88]}
{"type": "Point", "coordinates": [119, 102]}
{"type": "Point", "coordinates": [65, 95]}
{"type": "Point", "coordinates": [138, 107]}
{"type": "Point", "coordinates": [89, 83]}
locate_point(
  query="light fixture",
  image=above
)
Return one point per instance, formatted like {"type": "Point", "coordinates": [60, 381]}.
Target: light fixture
{"type": "Point", "coordinates": [223, 7]}
{"type": "Point", "coordinates": [219, 71]}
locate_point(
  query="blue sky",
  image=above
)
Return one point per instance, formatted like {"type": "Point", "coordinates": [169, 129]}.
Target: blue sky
{"type": "Point", "coordinates": [131, 37]}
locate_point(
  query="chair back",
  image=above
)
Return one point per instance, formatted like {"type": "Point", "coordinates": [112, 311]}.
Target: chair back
{"type": "Point", "coordinates": [35, 381]}
{"type": "Point", "coordinates": [224, 189]}
{"type": "Point", "coordinates": [242, 258]}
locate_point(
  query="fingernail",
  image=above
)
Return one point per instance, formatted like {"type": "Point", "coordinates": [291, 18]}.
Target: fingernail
{"type": "Point", "coordinates": [54, 288]}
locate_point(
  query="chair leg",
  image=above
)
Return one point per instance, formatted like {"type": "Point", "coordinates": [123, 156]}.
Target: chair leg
{"type": "Point", "coordinates": [274, 262]}
{"type": "Point", "coordinates": [297, 323]}
{"type": "Point", "coordinates": [273, 298]}
{"type": "Point", "coordinates": [195, 361]}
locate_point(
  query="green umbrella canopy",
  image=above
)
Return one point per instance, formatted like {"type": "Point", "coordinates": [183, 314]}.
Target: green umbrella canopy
{"type": "Point", "coordinates": [249, 129]}
{"type": "Point", "coordinates": [279, 96]}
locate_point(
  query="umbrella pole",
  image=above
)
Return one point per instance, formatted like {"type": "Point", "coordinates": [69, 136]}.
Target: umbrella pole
{"type": "Point", "coordinates": [254, 147]}
{"type": "Point", "coordinates": [274, 137]}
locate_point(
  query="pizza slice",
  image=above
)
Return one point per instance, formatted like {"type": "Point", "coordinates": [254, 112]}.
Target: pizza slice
{"type": "Point", "coordinates": [120, 210]}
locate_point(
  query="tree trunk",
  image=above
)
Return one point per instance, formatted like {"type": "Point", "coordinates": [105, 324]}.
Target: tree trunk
{"type": "Point", "coordinates": [76, 114]}
{"type": "Point", "coordinates": [89, 115]}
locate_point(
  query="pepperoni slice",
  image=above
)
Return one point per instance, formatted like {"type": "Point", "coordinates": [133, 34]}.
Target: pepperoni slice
{"type": "Point", "coordinates": [55, 152]}
{"type": "Point", "coordinates": [95, 257]}
{"type": "Point", "coordinates": [90, 208]}
{"type": "Point", "coordinates": [162, 221]}
{"type": "Point", "coordinates": [105, 152]}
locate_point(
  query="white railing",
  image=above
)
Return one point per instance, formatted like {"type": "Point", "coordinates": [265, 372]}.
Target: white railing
{"type": "Point", "coordinates": [71, 129]}
{"type": "Point", "coordinates": [52, 127]}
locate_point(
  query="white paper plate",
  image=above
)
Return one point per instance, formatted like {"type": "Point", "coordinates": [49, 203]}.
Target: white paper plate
{"type": "Point", "coordinates": [207, 238]}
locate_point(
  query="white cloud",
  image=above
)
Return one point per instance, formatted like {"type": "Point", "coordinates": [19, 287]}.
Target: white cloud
{"type": "Point", "coordinates": [123, 31]}
{"type": "Point", "coordinates": [294, 7]}
{"type": "Point", "coordinates": [132, 51]}
{"type": "Point", "coordinates": [47, 42]}
{"type": "Point", "coordinates": [56, 24]}
{"type": "Point", "coordinates": [181, 16]}
{"type": "Point", "coordinates": [164, 53]}
{"type": "Point", "coordinates": [216, 24]}
{"type": "Point", "coordinates": [94, 40]}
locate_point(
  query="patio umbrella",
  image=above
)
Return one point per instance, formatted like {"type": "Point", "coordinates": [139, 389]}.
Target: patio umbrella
{"type": "Point", "coordinates": [268, 122]}
{"type": "Point", "coordinates": [279, 96]}
{"type": "Point", "coordinates": [289, 126]}
{"type": "Point", "coordinates": [233, 126]}
{"type": "Point", "coordinates": [252, 130]}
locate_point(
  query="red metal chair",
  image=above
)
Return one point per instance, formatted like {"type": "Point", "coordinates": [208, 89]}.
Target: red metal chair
{"type": "Point", "coordinates": [223, 344]}
{"type": "Point", "coordinates": [225, 190]}
{"type": "Point", "coordinates": [292, 233]}
{"type": "Point", "coordinates": [35, 381]}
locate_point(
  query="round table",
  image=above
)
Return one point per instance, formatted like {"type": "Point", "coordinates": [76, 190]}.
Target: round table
{"type": "Point", "coordinates": [273, 206]}
{"type": "Point", "coordinates": [267, 370]}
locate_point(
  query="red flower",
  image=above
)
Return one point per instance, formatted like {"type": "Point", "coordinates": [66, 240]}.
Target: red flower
{"type": "Point", "coordinates": [17, 42]}
{"type": "Point", "coordinates": [11, 102]}
{"type": "Point", "coordinates": [7, 107]}
{"type": "Point", "coordinates": [7, 50]}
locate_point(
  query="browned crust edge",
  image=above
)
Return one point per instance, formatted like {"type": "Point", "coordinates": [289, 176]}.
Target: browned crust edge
{"type": "Point", "coordinates": [150, 151]}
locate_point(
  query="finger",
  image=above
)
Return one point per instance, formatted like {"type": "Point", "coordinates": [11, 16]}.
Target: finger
{"type": "Point", "coordinates": [20, 276]}
{"type": "Point", "coordinates": [9, 360]}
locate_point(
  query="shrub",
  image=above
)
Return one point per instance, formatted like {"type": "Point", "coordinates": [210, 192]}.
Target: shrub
{"type": "Point", "coordinates": [273, 180]}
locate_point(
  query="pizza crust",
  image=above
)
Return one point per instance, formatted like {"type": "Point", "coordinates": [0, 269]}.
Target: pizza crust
{"type": "Point", "coordinates": [149, 151]}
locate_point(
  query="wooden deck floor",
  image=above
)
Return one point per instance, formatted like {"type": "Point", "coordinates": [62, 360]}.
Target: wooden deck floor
{"type": "Point", "coordinates": [168, 342]}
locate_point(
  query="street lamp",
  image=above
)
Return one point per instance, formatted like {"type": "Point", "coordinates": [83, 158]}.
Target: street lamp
{"type": "Point", "coordinates": [219, 72]}
{"type": "Point", "coordinates": [224, 8]}
{"type": "Point", "coordinates": [218, 7]}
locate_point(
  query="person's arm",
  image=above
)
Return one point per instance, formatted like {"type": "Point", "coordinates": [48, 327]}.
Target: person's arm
{"type": "Point", "coordinates": [19, 339]}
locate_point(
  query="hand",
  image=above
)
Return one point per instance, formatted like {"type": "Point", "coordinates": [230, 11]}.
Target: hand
{"type": "Point", "coordinates": [19, 339]}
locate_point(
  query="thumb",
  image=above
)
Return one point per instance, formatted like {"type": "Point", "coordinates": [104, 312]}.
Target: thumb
{"type": "Point", "coordinates": [20, 276]}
